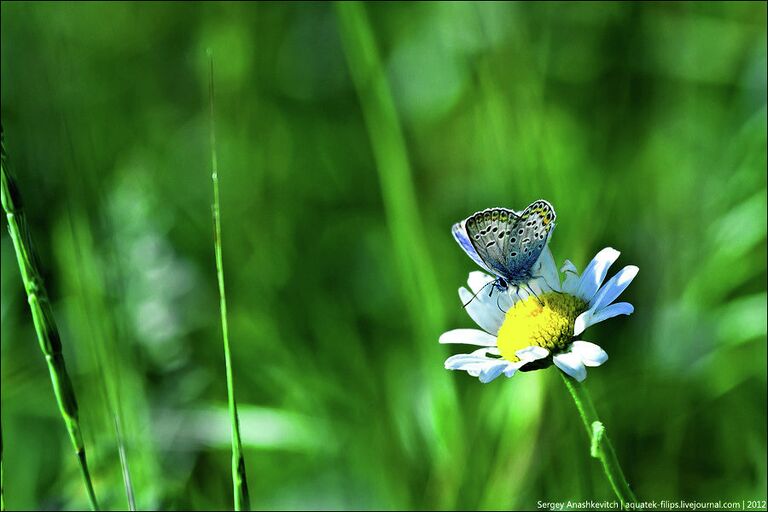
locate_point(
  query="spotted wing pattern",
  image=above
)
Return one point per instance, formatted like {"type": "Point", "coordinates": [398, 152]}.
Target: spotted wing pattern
{"type": "Point", "coordinates": [528, 239]}
{"type": "Point", "coordinates": [504, 242]}
{"type": "Point", "coordinates": [459, 232]}
{"type": "Point", "coordinates": [490, 233]}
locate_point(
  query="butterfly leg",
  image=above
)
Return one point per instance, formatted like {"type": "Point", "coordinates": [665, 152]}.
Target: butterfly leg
{"type": "Point", "coordinates": [498, 296]}
{"type": "Point", "coordinates": [530, 290]}
{"type": "Point", "coordinates": [548, 285]}
{"type": "Point", "coordinates": [517, 292]}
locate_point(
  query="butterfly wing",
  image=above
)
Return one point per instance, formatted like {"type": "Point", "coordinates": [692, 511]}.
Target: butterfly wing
{"type": "Point", "coordinates": [489, 233]}
{"type": "Point", "coordinates": [529, 237]}
{"type": "Point", "coordinates": [459, 232]}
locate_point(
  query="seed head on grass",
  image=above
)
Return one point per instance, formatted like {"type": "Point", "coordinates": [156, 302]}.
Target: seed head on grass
{"type": "Point", "coordinates": [42, 316]}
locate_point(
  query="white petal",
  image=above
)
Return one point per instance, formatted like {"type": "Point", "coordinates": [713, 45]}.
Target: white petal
{"type": "Point", "coordinates": [572, 279]}
{"type": "Point", "coordinates": [512, 368]}
{"type": "Point", "coordinates": [548, 270]}
{"type": "Point", "coordinates": [592, 316]}
{"type": "Point", "coordinates": [613, 288]}
{"type": "Point", "coordinates": [571, 364]}
{"type": "Point", "coordinates": [477, 280]}
{"type": "Point", "coordinates": [569, 267]}
{"type": "Point", "coordinates": [467, 361]}
{"type": "Point", "coordinates": [492, 371]}
{"type": "Point", "coordinates": [590, 354]}
{"type": "Point", "coordinates": [620, 308]}
{"type": "Point", "coordinates": [582, 321]}
{"type": "Point", "coordinates": [487, 316]}
{"type": "Point", "coordinates": [531, 353]}
{"type": "Point", "coordinates": [468, 337]}
{"type": "Point", "coordinates": [476, 357]}
{"type": "Point", "coordinates": [595, 272]}
{"type": "Point", "coordinates": [477, 364]}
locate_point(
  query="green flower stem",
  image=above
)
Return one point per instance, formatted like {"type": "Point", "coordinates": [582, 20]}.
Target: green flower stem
{"type": "Point", "coordinates": [42, 316]}
{"type": "Point", "coordinates": [600, 445]}
{"type": "Point", "coordinates": [239, 481]}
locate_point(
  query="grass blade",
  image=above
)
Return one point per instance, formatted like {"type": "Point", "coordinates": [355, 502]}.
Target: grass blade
{"type": "Point", "coordinates": [124, 466]}
{"type": "Point", "coordinates": [2, 473]}
{"type": "Point", "coordinates": [239, 481]}
{"type": "Point", "coordinates": [42, 316]}
{"type": "Point", "coordinates": [408, 236]}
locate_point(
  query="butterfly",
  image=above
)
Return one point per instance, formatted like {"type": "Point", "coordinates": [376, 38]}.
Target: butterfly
{"type": "Point", "coordinates": [507, 243]}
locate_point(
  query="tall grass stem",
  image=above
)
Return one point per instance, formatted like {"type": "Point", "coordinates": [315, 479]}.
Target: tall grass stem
{"type": "Point", "coordinates": [127, 482]}
{"type": "Point", "coordinates": [239, 481]}
{"type": "Point", "coordinates": [42, 316]}
{"type": "Point", "coordinates": [2, 473]}
{"type": "Point", "coordinates": [411, 254]}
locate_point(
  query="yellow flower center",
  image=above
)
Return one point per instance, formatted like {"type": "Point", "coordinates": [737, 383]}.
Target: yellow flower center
{"type": "Point", "coordinates": [546, 322]}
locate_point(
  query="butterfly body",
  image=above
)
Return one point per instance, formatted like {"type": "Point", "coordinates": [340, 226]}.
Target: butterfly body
{"type": "Point", "coordinates": [507, 243]}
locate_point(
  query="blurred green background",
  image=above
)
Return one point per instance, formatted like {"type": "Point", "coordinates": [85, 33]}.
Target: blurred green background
{"type": "Point", "coordinates": [350, 138]}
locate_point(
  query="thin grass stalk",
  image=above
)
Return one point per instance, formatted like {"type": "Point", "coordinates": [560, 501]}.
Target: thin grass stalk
{"type": "Point", "coordinates": [42, 316]}
{"type": "Point", "coordinates": [601, 447]}
{"type": "Point", "coordinates": [392, 163]}
{"type": "Point", "coordinates": [239, 481]}
{"type": "Point", "coordinates": [89, 286]}
{"type": "Point", "coordinates": [2, 473]}
{"type": "Point", "coordinates": [127, 482]}
{"type": "Point", "coordinates": [411, 251]}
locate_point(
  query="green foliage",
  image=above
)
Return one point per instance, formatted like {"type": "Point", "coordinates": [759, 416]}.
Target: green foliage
{"type": "Point", "coordinates": [349, 138]}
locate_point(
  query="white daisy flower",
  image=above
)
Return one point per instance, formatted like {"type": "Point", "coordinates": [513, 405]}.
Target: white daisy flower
{"type": "Point", "coordinates": [523, 331]}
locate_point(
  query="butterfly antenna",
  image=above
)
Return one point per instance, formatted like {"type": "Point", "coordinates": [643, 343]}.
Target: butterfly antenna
{"type": "Point", "coordinates": [478, 293]}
